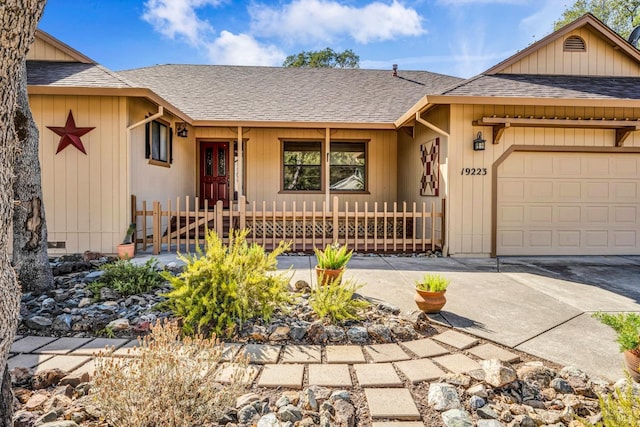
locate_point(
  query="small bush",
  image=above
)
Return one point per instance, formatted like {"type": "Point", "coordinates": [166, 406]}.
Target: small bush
{"type": "Point", "coordinates": [128, 278]}
{"type": "Point", "coordinates": [222, 288]}
{"type": "Point", "coordinates": [620, 408]}
{"type": "Point", "coordinates": [433, 283]}
{"type": "Point", "coordinates": [171, 382]}
{"type": "Point", "coordinates": [627, 327]}
{"type": "Point", "coordinates": [334, 301]}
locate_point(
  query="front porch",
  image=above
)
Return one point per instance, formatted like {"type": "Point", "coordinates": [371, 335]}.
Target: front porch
{"type": "Point", "coordinates": [379, 228]}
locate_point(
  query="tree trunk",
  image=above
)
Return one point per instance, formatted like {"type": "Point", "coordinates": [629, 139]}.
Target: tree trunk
{"type": "Point", "coordinates": [18, 20]}
{"type": "Point", "coordinates": [30, 258]}
{"type": "Point", "coordinates": [6, 398]}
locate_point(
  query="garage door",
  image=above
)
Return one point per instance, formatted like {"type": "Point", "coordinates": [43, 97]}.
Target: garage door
{"type": "Point", "coordinates": [568, 204]}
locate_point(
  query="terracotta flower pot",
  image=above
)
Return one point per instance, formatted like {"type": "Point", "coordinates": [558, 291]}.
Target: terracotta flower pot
{"type": "Point", "coordinates": [126, 250]}
{"type": "Point", "coordinates": [326, 276]}
{"type": "Point", "coordinates": [430, 302]}
{"type": "Point", "coordinates": [633, 364]}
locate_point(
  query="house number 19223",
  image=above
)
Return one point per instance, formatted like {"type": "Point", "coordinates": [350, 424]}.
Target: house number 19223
{"type": "Point", "coordinates": [473, 171]}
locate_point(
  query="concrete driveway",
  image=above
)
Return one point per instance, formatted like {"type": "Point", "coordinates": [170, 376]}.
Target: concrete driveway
{"type": "Point", "coordinates": [539, 305]}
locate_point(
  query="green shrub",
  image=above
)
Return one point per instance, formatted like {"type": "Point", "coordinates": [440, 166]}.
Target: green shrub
{"type": "Point", "coordinates": [172, 382]}
{"type": "Point", "coordinates": [334, 301]}
{"type": "Point", "coordinates": [334, 256]}
{"type": "Point", "coordinates": [620, 408]}
{"type": "Point", "coordinates": [128, 278]}
{"type": "Point", "coordinates": [433, 283]}
{"type": "Point", "coordinates": [225, 286]}
{"type": "Point", "coordinates": [627, 327]}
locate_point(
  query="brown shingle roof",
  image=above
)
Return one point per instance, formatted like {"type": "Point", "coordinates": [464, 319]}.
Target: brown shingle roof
{"type": "Point", "coordinates": [548, 86]}
{"type": "Point", "coordinates": [242, 93]}
{"type": "Point", "coordinates": [73, 74]}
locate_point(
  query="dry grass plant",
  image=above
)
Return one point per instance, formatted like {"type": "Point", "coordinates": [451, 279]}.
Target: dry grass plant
{"type": "Point", "coordinates": [168, 381]}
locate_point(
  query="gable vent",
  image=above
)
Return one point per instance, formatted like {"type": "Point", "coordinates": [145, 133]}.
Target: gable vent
{"type": "Point", "coordinates": [574, 44]}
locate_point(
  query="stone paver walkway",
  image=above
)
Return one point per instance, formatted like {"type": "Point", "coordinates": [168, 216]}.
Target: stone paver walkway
{"type": "Point", "coordinates": [383, 371]}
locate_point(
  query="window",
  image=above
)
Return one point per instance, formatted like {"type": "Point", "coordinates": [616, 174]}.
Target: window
{"type": "Point", "coordinates": [347, 169]}
{"type": "Point", "coordinates": [158, 142]}
{"type": "Point", "coordinates": [302, 166]}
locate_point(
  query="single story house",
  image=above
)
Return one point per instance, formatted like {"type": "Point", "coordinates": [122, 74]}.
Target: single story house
{"type": "Point", "coordinates": [539, 155]}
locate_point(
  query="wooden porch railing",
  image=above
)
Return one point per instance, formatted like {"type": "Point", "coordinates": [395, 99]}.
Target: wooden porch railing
{"type": "Point", "coordinates": [363, 227]}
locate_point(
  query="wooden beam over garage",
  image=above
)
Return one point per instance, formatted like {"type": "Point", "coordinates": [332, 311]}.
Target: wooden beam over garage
{"type": "Point", "coordinates": [623, 128]}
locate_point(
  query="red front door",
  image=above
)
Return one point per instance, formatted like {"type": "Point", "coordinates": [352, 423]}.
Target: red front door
{"type": "Point", "coordinates": [214, 173]}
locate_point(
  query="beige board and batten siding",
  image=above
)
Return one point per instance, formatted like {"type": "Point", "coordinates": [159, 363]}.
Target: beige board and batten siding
{"type": "Point", "coordinates": [40, 50]}
{"type": "Point", "coordinates": [263, 170]}
{"type": "Point", "coordinates": [410, 167]}
{"type": "Point", "coordinates": [85, 196]}
{"type": "Point", "coordinates": [567, 203]}
{"type": "Point", "coordinates": [160, 182]}
{"type": "Point", "coordinates": [600, 58]}
{"type": "Point", "coordinates": [470, 196]}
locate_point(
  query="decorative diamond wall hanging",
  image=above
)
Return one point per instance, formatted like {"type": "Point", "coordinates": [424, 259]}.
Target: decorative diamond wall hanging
{"type": "Point", "coordinates": [430, 156]}
{"type": "Point", "coordinates": [70, 134]}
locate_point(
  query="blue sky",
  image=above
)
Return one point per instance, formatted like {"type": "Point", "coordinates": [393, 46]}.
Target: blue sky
{"type": "Point", "coordinates": [456, 37]}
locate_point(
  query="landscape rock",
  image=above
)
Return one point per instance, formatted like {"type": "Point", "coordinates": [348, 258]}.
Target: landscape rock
{"type": "Point", "coordinates": [457, 418]}
{"type": "Point", "coordinates": [443, 396]}
{"type": "Point", "coordinates": [498, 373]}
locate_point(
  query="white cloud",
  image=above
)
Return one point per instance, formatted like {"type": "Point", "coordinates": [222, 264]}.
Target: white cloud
{"type": "Point", "coordinates": [242, 49]}
{"type": "Point", "coordinates": [472, 2]}
{"type": "Point", "coordinates": [326, 20]}
{"type": "Point", "coordinates": [178, 18]}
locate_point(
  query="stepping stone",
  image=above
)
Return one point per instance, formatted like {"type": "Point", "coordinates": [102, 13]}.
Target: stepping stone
{"type": "Point", "coordinates": [66, 363]}
{"type": "Point", "coordinates": [288, 376]}
{"type": "Point", "coordinates": [456, 339]}
{"type": "Point", "coordinates": [381, 353]}
{"type": "Point", "coordinates": [89, 368]}
{"type": "Point", "coordinates": [230, 351]}
{"type": "Point", "coordinates": [377, 375]}
{"type": "Point", "coordinates": [301, 354]}
{"type": "Point", "coordinates": [330, 375]}
{"type": "Point", "coordinates": [490, 351]}
{"type": "Point", "coordinates": [130, 349]}
{"type": "Point", "coordinates": [457, 363]}
{"type": "Point", "coordinates": [27, 360]}
{"type": "Point", "coordinates": [391, 403]}
{"type": "Point", "coordinates": [228, 370]}
{"type": "Point", "coordinates": [345, 354]}
{"type": "Point", "coordinates": [261, 353]}
{"type": "Point", "coordinates": [30, 343]}
{"type": "Point", "coordinates": [62, 346]}
{"type": "Point", "coordinates": [425, 348]}
{"type": "Point", "coordinates": [99, 344]}
{"type": "Point", "coordinates": [420, 370]}
{"type": "Point", "coordinates": [398, 424]}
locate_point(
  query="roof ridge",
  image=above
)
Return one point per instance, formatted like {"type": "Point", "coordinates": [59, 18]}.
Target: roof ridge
{"type": "Point", "coordinates": [117, 76]}
{"type": "Point", "coordinates": [460, 84]}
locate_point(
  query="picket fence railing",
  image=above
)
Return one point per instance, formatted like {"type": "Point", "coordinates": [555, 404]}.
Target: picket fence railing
{"type": "Point", "coordinates": [364, 227]}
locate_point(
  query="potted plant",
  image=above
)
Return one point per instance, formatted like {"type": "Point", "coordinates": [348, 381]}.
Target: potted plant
{"type": "Point", "coordinates": [627, 327]}
{"type": "Point", "coordinates": [430, 292]}
{"type": "Point", "coordinates": [332, 262]}
{"type": "Point", "coordinates": [127, 248]}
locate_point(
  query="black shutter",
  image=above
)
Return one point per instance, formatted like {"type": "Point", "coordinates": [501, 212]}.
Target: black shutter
{"type": "Point", "coordinates": [147, 139]}
{"type": "Point", "coordinates": [170, 145]}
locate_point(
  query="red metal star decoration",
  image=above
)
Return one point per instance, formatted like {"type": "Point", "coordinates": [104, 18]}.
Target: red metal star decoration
{"type": "Point", "coordinates": [70, 134]}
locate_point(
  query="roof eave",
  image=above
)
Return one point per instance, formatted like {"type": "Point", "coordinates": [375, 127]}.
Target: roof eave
{"type": "Point", "coordinates": [521, 101]}
{"type": "Point", "coordinates": [78, 56]}
{"type": "Point", "coordinates": [295, 124]}
{"type": "Point", "coordinates": [104, 91]}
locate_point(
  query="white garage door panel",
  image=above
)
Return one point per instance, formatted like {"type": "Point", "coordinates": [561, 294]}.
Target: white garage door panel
{"type": "Point", "coordinates": [569, 204]}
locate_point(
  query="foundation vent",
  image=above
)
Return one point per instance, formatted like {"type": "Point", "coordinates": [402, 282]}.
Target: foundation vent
{"type": "Point", "coordinates": [575, 44]}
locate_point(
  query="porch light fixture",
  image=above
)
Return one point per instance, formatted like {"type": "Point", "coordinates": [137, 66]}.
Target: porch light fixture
{"type": "Point", "coordinates": [181, 129]}
{"type": "Point", "coordinates": [478, 143]}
